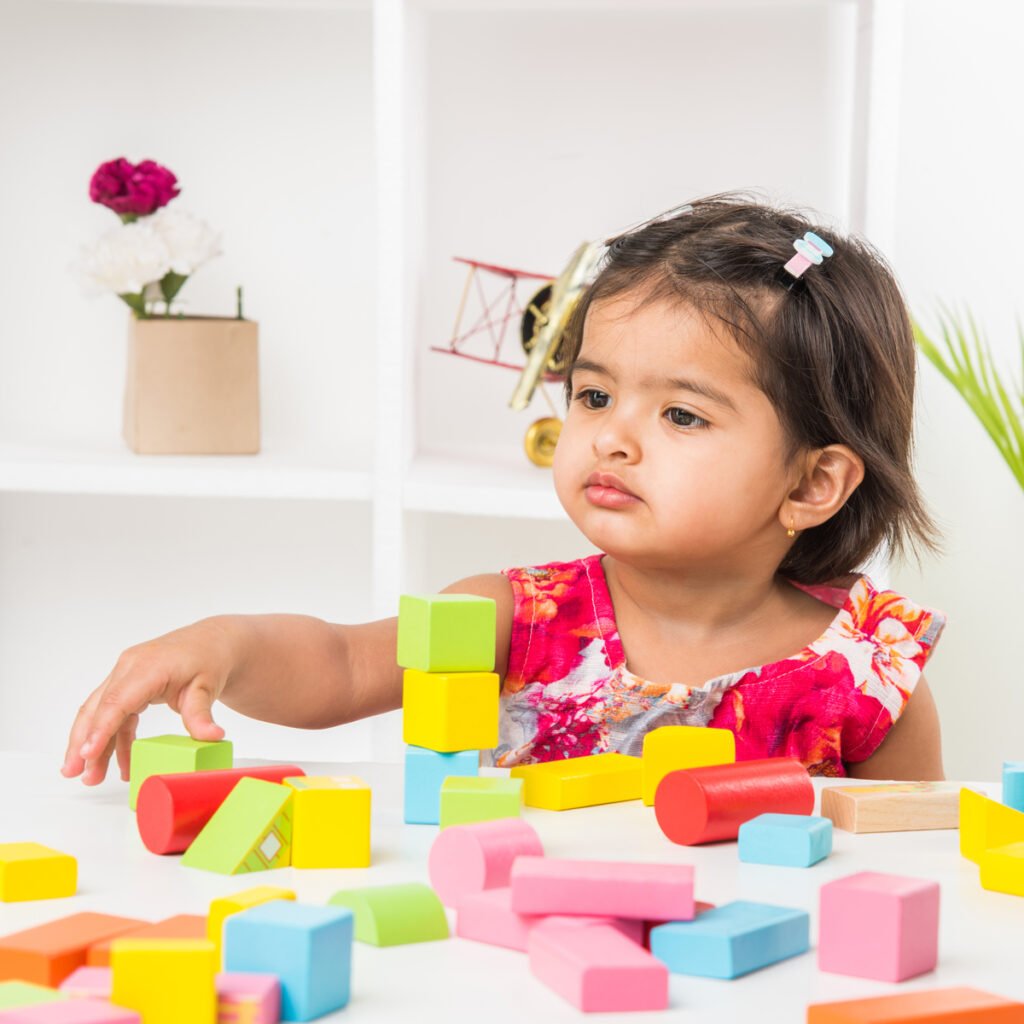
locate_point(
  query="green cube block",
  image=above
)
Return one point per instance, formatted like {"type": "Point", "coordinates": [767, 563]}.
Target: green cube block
{"type": "Point", "coordinates": [446, 632]}
{"type": "Point", "coordinates": [24, 993]}
{"type": "Point", "coordinates": [394, 915]}
{"type": "Point", "coordinates": [250, 831]}
{"type": "Point", "coordinates": [465, 799]}
{"type": "Point", "coordinates": [172, 755]}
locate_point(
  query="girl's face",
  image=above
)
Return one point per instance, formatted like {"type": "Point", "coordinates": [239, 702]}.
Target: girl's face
{"type": "Point", "coordinates": [670, 456]}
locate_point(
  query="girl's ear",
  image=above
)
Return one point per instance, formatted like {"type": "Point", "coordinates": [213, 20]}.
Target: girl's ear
{"type": "Point", "coordinates": [830, 476]}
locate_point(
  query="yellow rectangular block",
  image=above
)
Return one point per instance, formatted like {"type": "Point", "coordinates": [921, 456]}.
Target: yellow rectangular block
{"type": "Point", "coordinates": [986, 823]}
{"type": "Point", "coordinates": [672, 747]}
{"type": "Point", "coordinates": [1002, 869]}
{"type": "Point", "coordinates": [580, 781]}
{"type": "Point", "coordinates": [330, 821]}
{"type": "Point", "coordinates": [224, 906]}
{"type": "Point", "coordinates": [30, 871]}
{"type": "Point", "coordinates": [450, 711]}
{"type": "Point", "coordinates": [166, 981]}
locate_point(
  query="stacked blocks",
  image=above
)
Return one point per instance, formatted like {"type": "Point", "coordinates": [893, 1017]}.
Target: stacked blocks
{"type": "Point", "coordinates": [168, 755]}
{"type": "Point", "coordinates": [879, 926]}
{"type": "Point", "coordinates": [1013, 784]}
{"type": "Point", "coordinates": [732, 940]}
{"type": "Point", "coordinates": [72, 1011]}
{"type": "Point", "coordinates": [788, 840]}
{"type": "Point", "coordinates": [223, 907]}
{"type": "Point", "coordinates": [580, 781]}
{"type": "Point", "coordinates": [29, 871]}
{"type": "Point", "coordinates": [309, 948]}
{"type": "Point", "coordinates": [394, 915]}
{"type": "Point", "coordinates": [670, 748]}
{"type": "Point", "coordinates": [166, 980]}
{"type": "Point", "coordinates": [450, 711]}
{"type": "Point", "coordinates": [934, 1005]}
{"type": "Point", "coordinates": [330, 822]}
{"type": "Point", "coordinates": [425, 771]}
{"type": "Point", "coordinates": [23, 993]}
{"type": "Point", "coordinates": [469, 799]}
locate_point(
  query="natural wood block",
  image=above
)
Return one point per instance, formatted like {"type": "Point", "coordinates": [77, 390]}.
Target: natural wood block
{"type": "Point", "coordinates": [893, 807]}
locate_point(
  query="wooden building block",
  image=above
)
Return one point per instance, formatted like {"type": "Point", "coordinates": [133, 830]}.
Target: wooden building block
{"type": "Point", "coordinates": [30, 871]}
{"type": "Point", "coordinates": [788, 840]}
{"type": "Point", "coordinates": [72, 1011]}
{"type": "Point", "coordinates": [181, 926]}
{"type": "Point", "coordinates": [732, 940]}
{"type": "Point", "coordinates": [931, 1005]}
{"type": "Point", "coordinates": [89, 983]}
{"type": "Point", "coordinates": [670, 748]}
{"type": "Point", "coordinates": [250, 831]}
{"type": "Point", "coordinates": [1002, 869]}
{"type": "Point", "coordinates": [308, 948]}
{"type": "Point", "coordinates": [248, 998]}
{"type": "Point", "coordinates": [546, 885]}
{"type": "Point", "coordinates": [48, 953]}
{"type": "Point", "coordinates": [986, 823]}
{"type": "Point", "coordinates": [465, 800]}
{"type": "Point", "coordinates": [450, 711]}
{"type": "Point", "coordinates": [24, 993]}
{"type": "Point", "coordinates": [425, 771]}
{"type": "Point", "coordinates": [330, 821]}
{"type": "Point", "coordinates": [597, 968]}
{"type": "Point", "coordinates": [892, 806]}
{"type": "Point", "coordinates": [167, 981]}
{"type": "Point", "coordinates": [447, 633]}
{"type": "Point", "coordinates": [1013, 784]}
{"type": "Point", "coordinates": [580, 781]}
{"type": "Point", "coordinates": [224, 906]}
{"type": "Point", "coordinates": [873, 925]}
{"type": "Point", "coordinates": [466, 859]}
{"type": "Point", "coordinates": [394, 915]}
{"type": "Point", "coordinates": [168, 755]}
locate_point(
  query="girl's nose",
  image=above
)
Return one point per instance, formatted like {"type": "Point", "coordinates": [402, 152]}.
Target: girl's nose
{"type": "Point", "coordinates": [616, 437]}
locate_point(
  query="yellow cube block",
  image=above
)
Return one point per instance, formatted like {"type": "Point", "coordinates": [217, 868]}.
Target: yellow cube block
{"type": "Point", "coordinates": [449, 711]}
{"type": "Point", "coordinates": [580, 781]}
{"type": "Point", "coordinates": [330, 821]}
{"type": "Point", "coordinates": [30, 871]}
{"type": "Point", "coordinates": [986, 823]}
{"type": "Point", "coordinates": [224, 906]}
{"type": "Point", "coordinates": [1002, 869]}
{"type": "Point", "coordinates": [671, 747]}
{"type": "Point", "coordinates": [167, 981]}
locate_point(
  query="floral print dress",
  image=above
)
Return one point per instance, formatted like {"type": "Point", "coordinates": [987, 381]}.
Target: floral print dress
{"type": "Point", "coordinates": [568, 691]}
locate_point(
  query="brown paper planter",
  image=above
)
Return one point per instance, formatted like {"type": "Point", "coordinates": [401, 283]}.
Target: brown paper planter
{"type": "Point", "coordinates": [192, 386]}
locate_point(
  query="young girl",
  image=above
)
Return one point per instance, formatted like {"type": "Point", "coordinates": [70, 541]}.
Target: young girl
{"type": "Point", "coordinates": [737, 444]}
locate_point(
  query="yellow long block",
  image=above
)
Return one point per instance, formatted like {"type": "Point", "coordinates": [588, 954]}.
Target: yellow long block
{"type": "Point", "coordinates": [1002, 869]}
{"type": "Point", "coordinates": [986, 823]}
{"type": "Point", "coordinates": [450, 711]}
{"type": "Point", "coordinates": [167, 981]}
{"type": "Point", "coordinates": [224, 906]}
{"type": "Point", "coordinates": [672, 747]}
{"type": "Point", "coordinates": [330, 821]}
{"type": "Point", "coordinates": [580, 781]}
{"type": "Point", "coordinates": [30, 871]}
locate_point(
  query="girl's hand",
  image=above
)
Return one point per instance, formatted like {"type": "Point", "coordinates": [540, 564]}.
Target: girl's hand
{"type": "Point", "coordinates": [186, 669]}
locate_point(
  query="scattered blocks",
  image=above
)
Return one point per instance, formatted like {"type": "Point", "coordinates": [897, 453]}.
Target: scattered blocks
{"type": "Point", "coordinates": [932, 1005]}
{"type": "Point", "coordinates": [30, 871]}
{"type": "Point", "coordinates": [181, 926]}
{"type": "Point", "coordinates": [425, 771]}
{"type": "Point", "coordinates": [466, 859]}
{"type": "Point", "coordinates": [732, 940]}
{"type": "Point", "coordinates": [72, 1011]}
{"type": "Point", "coordinates": [330, 822]}
{"type": "Point", "coordinates": [224, 906]}
{"type": "Point", "coordinates": [670, 748]}
{"type": "Point", "coordinates": [1013, 784]}
{"type": "Point", "coordinates": [394, 915]}
{"type": "Point", "coordinates": [450, 711]}
{"type": "Point", "coordinates": [879, 926]}
{"type": "Point", "coordinates": [468, 799]}
{"type": "Point", "coordinates": [788, 840]}
{"type": "Point", "coordinates": [447, 633]}
{"type": "Point", "coordinates": [250, 831]}
{"type": "Point", "coordinates": [167, 755]}
{"type": "Point", "coordinates": [580, 781]}
{"type": "Point", "coordinates": [308, 948]}
{"type": "Point", "coordinates": [248, 999]}
{"type": "Point", "coordinates": [1002, 869]}
{"type": "Point", "coordinates": [23, 993]}
{"type": "Point", "coordinates": [892, 807]}
{"type": "Point", "coordinates": [985, 824]}
{"type": "Point", "coordinates": [166, 980]}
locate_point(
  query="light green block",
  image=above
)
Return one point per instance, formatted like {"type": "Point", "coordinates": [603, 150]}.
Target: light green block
{"type": "Point", "coordinates": [394, 915]}
{"type": "Point", "coordinates": [446, 632]}
{"type": "Point", "coordinates": [250, 831]}
{"type": "Point", "coordinates": [172, 755]}
{"type": "Point", "coordinates": [24, 993]}
{"type": "Point", "coordinates": [465, 799]}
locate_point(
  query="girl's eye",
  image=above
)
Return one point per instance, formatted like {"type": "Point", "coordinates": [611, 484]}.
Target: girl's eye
{"type": "Point", "coordinates": [685, 418]}
{"type": "Point", "coordinates": [592, 398]}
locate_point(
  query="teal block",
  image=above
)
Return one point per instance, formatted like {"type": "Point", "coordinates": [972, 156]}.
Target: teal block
{"type": "Point", "coordinates": [788, 840]}
{"type": "Point", "coordinates": [1013, 784]}
{"type": "Point", "coordinates": [425, 771]}
{"type": "Point", "coordinates": [732, 940]}
{"type": "Point", "coordinates": [173, 755]}
{"type": "Point", "coordinates": [447, 632]}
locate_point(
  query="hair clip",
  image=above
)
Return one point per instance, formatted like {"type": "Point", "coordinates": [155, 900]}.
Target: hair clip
{"type": "Point", "coordinates": [811, 250]}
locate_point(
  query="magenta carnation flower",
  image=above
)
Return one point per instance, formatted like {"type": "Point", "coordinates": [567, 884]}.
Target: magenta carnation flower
{"type": "Point", "coordinates": [133, 189]}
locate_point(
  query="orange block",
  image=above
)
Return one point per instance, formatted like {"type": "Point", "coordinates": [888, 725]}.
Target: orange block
{"type": "Point", "coordinates": [48, 953]}
{"type": "Point", "coordinates": [935, 1005]}
{"type": "Point", "coordinates": [182, 926]}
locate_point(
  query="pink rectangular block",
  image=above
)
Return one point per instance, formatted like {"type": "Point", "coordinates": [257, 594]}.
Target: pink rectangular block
{"type": "Point", "coordinates": [248, 998]}
{"type": "Point", "coordinates": [546, 885]}
{"type": "Point", "coordinates": [597, 968]}
{"type": "Point", "coordinates": [71, 1011]}
{"type": "Point", "coordinates": [88, 983]}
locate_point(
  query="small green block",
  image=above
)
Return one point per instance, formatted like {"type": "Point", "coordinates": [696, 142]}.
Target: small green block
{"type": "Point", "coordinates": [250, 831]}
{"type": "Point", "coordinates": [465, 799]}
{"type": "Point", "coordinates": [394, 915]}
{"type": "Point", "coordinates": [447, 632]}
{"type": "Point", "coordinates": [172, 755]}
{"type": "Point", "coordinates": [24, 993]}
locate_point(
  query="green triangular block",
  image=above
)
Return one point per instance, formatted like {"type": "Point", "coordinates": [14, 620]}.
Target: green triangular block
{"type": "Point", "coordinates": [394, 915]}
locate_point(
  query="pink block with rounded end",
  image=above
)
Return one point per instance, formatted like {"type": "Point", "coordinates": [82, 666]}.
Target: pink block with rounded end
{"type": "Point", "coordinates": [543, 885]}
{"type": "Point", "coordinates": [466, 859]}
{"type": "Point", "coordinates": [71, 1011]}
{"type": "Point", "coordinates": [597, 968]}
{"type": "Point", "coordinates": [88, 983]}
{"type": "Point", "coordinates": [253, 998]}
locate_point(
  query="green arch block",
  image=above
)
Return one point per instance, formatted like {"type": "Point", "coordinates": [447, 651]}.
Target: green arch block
{"type": "Point", "coordinates": [394, 915]}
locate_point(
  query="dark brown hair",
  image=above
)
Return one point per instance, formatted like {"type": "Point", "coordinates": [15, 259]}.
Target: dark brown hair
{"type": "Point", "coordinates": [835, 355]}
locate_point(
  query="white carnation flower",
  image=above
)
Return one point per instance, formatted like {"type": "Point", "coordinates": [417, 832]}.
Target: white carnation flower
{"type": "Point", "coordinates": [126, 259]}
{"type": "Point", "coordinates": [189, 240]}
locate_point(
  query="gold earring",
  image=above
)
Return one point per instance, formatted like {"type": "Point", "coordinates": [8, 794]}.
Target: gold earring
{"type": "Point", "coordinates": [791, 532]}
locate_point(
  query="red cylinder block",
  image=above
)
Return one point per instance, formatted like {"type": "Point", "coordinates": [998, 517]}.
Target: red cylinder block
{"type": "Point", "coordinates": [703, 805]}
{"type": "Point", "coordinates": [172, 809]}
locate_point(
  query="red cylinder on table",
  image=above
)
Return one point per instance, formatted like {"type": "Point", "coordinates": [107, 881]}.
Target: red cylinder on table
{"type": "Point", "coordinates": [704, 805]}
{"type": "Point", "coordinates": [172, 809]}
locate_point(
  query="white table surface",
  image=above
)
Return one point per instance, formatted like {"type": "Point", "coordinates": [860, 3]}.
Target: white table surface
{"type": "Point", "coordinates": [980, 940]}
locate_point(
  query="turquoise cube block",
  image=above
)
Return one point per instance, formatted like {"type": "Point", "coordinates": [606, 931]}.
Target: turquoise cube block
{"type": "Point", "coordinates": [309, 948]}
{"type": "Point", "coordinates": [447, 632]}
{"type": "Point", "coordinates": [732, 940]}
{"type": "Point", "coordinates": [425, 771]}
{"type": "Point", "coordinates": [1013, 784]}
{"type": "Point", "coordinates": [789, 840]}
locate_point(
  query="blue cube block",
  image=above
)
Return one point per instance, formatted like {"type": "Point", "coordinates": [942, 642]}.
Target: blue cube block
{"type": "Point", "coordinates": [732, 940]}
{"type": "Point", "coordinates": [791, 840]}
{"type": "Point", "coordinates": [308, 948]}
{"type": "Point", "coordinates": [1013, 784]}
{"type": "Point", "coordinates": [425, 770]}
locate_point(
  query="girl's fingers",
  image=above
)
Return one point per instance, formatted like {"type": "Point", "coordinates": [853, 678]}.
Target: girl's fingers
{"type": "Point", "coordinates": [116, 703]}
{"type": "Point", "coordinates": [96, 767]}
{"type": "Point", "coordinates": [196, 710]}
{"type": "Point", "coordinates": [74, 763]}
{"type": "Point", "coordinates": [123, 745]}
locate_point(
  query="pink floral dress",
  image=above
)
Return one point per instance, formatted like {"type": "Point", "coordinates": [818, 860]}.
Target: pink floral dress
{"type": "Point", "coordinates": [568, 691]}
